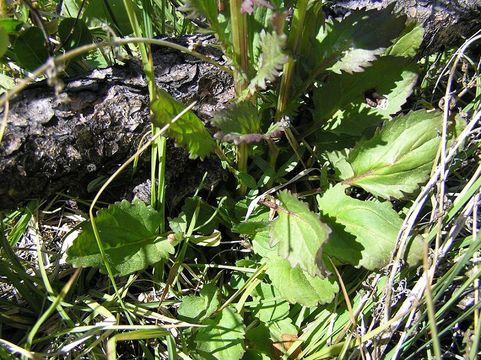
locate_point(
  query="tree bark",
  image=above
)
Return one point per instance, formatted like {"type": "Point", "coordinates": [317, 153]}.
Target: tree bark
{"type": "Point", "coordinates": [63, 143]}
{"type": "Point", "coordinates": [446, 23]}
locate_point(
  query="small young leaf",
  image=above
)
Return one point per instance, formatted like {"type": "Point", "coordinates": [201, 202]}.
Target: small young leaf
{"type": "Point", "coordinates": [10, 25]}
{"type": "Point", "coordinates": [30, 49]}
{"type": "Point", "coordinates": [364, 233]}
{"type": "Point", "coordinates": [196, 308]}
{"type": "Point", "coordinates": [299, 234]}
{"type": "Point", "coordinates": [271, 59]}
{"type": "Point", "coordinates": [188, 131]}
{"type": "Point", "coordinates": [74, 33]}
{"type": "Point", "coordinates": [399, 158]}
{"type": "Point", "coordinates": [297, 286]}
{"type": "Point", "coordinates": [128, 232]}
{"type": "Point", "coordinates": [223, 338]}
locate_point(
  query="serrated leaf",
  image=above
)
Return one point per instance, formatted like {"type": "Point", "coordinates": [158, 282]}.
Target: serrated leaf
{"type": "Point", "coordinates": [297, 286]}
{"type": "Point", "coordinates": [398, 159]}
{"type": "Point", "coordinates": [30, 49]}
{"type": "Point", "coordinates": [188, 131]}
{"type": "Point", "coordinates": [237, 120]}
{"type": "Point", "coordinates": [299, 234]}
{"type": "Point", "coordinates": [222, 338]}
{"type": "Point", "coordinates": [271, 59]}
{"type": "Point", "coordinates": [364, 233]}
{"type": "Point", "coordinates": [269, 306]}
{"type": "Point", "coordinates": [195, 308]}
{"type": "Point", "coordinates": [340, 103]}
{"type": "Point", "coordinates": [360, 37]}
{"type": "Point", "coordinates": [73, 33]}
{"type": "Point", "coordinates": [128, 232]}
{"type": "Point", "coordinates": [408, 43]}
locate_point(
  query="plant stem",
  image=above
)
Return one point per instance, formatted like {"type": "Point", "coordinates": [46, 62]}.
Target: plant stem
{"type": "Point", "coordinates": [241, 61]}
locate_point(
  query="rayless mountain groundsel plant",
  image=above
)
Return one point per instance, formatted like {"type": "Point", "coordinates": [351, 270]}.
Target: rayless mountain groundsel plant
{"type": "Point", "coordinates": [324, 161]}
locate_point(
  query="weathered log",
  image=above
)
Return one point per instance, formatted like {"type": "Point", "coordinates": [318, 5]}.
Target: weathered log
{"type": "Point", "coordinates": [446, 23]}
{"type": "Point", "coordinates": [63, 143]}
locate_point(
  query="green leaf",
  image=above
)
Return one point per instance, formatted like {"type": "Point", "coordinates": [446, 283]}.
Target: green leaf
{"type": "Point", "coordinates": [299, 234]}
{"type": "Point", "coordinates": [364, 233]}
{"type": "Point", "coordinates": [218, 22]}
{"type": "Point", "coordinates": [9, 25]}
{"type": "Point", "coordinates": [408, 43]}
{"type": "Point", "coordinates": [74, 33]}
{"type": "Point", "coordinates": [271, 59]}
{"type": "Point", "coordinates": [360, 38]}
{"type": "Point", "coordinates": [30, 50]}
{"type": "Point", "coordinates": [4, 42]}
{"type": "Point", "coordinates": [297, 286]}
{"type": "Point", "coordinates": [259, 344]}
{"type": "Point", "coordinates": [222, 338]}
{"type": "Point", "coordinates": [188, 131]}
{"type": "Point", "coordinates": [237, 122]}
{"type": "Point", "coordinates": [128, 232]}
{"type": "Point", "coordinates": [196, 308]}
{"type": "Point", "coordinates": [398, 159]}
{"type": "Point", "coordinates": [269, 306]}
{"type": "Point", "coordinates": [112, 12]}
{"type": "Point", "coordinates": [340, 103]}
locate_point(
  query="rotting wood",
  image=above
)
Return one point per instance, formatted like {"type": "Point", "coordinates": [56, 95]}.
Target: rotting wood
{"type": "Point", "coordinates": [63, 143]}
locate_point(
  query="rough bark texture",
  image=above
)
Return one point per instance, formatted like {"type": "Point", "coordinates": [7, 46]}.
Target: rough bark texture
{"type": "Point", "coordinates": [62, 143]}
{"type": "Point", "coordinates": [446, 22]}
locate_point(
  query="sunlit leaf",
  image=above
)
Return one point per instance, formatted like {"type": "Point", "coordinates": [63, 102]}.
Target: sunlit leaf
{"type": "Point", "coordinates": [297, 286]}
{"type": "Point", "coordinates": [271, 59]}
{"type": "Point", "coordinates": [128, 232]}
{"type": "Point", "coordinates": [299, 234]}
{"type": "Point", "coordinates": [364, 233]}
{"type": "Point", "coordinates": [196, 308]}
{"type": "Point", "coordinates": [222, 338]}
{"type": "Point", "coordinates": [188, 131]}
{"type": "Point", "coordinates": [399, 158]}
{"type": "Point", "coordinates": [269, 306]}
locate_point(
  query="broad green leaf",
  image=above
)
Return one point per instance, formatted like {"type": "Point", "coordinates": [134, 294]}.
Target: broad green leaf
{"type": "Point", "coordinates": [364, 233]}
{"type": "Point", "coordinates": [10, 25]}
{"type": "Point", "coordinates": [398, 159]}
{"type": "Point", "coordinates": [30, 49]}
{"type": "Point", "coordinates": [73, 33]}
{"type": "Point", "coordinates": [269, 305]}
{"type": "Point", "coordinates": [237, 122]}
{"type": "Point", "coordinates": [408, 43]}
{"type": "Point", "coordinates": [299, 234]}
{"type": "Point", "coordinates": [196, 308]}
{"type": "Point", "coordinates": [4, 42]}
{"type": "Point", "coordinates": [188, 131]}
{"type": "Point", "coordinates": [297, 286]}
{"type": "Point", "coordinates": [259, 344]}
{"type": "Point", "coordinates": [283, 335]}
{"type": "Point", "coordinates": [271, 59]}
{"type": "Point", "coordinates": [112, 12]}
{"type": "Point", "coordinates": [222, 338]}
{"type": "Point", "coordinates": [340, 104]}
{"type": "Point", "coordinates": [128, 232]}
{"type": "Point", "coordinates": [360, 38]}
